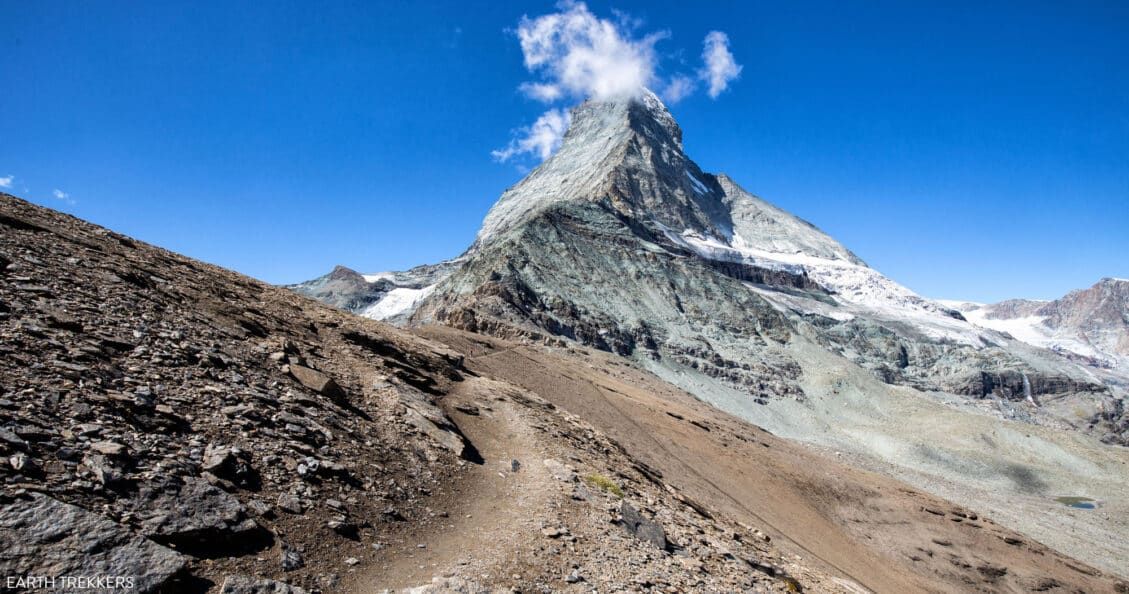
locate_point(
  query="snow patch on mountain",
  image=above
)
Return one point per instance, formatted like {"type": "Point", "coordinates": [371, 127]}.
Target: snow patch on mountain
{"type": "Point", "coordinates": [856, 286]}
{"type": "Point", "coordinates": [396, 302]}
{"type": "Point", "coordinates": [1032, 329]}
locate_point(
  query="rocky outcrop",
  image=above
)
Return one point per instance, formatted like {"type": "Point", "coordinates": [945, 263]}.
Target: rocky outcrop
{"type": "Point", "coordinates": [51, 540]}
{"type": "Point", "coordinates": [1091, 324]}
{"type": "Point", "coordinates": [1012, 385]}
{"type": "Point", "coordinates": [345, 288]}
{"type": "Point", "coordinates": [642, 528]}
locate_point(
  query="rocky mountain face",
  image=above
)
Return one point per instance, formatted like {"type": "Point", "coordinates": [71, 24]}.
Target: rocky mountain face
{"type": "Point", "coordinates": [1090, 325]}
{"type": "Point", "coordinates": [190, 430]}
{"type": "Point", "coordinates": [621, 242]}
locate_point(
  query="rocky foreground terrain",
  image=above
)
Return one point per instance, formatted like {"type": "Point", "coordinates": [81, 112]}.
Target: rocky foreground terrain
{"type": "Point", "coordinates": [190, 429]}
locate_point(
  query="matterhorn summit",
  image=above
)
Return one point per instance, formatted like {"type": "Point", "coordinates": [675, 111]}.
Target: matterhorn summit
{"type": "Point", "coordinates": [619, 241]}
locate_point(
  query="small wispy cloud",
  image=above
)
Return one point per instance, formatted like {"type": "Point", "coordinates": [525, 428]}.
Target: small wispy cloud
{"type": "Point", "coordinates": [6, 181]}
{"type": "Point", "coordinates": [541, 139]}
{"type": "Point", "coordinates": [720, 67]}
{"type": "Point", "coordinates": [61, 195]}
{"type": "Point", "coordinates": [577, 55]}
{"type": "Point", "coordinates": [679, 88]}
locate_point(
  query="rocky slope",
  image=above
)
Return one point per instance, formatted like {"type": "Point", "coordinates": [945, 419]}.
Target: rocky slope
{"type": "Point", "coordinates": [869, 531]}
{"type": "Point", "coordinates": [185, 428]}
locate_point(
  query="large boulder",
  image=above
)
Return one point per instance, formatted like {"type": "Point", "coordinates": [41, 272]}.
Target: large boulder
{"type": "Point", "coordinates": [240, 584]}
{"type": "Point", "coordinates": [645, 530]}
{"type": "Point", "coordinates": [318, 382]}
{"type": "Point", "coordinates": [199, 518]}
{"type": "Point", "coordinates": [46, 537]}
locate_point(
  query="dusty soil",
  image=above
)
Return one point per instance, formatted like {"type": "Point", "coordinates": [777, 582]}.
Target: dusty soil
{"type": "Point", "coordinates": [531, 518]}
{"type": "Point", "coordinates": [859, 526]}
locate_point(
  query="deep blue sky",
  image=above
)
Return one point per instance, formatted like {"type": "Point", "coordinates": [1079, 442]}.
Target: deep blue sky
{"type": "Point", "coordinates": [973, 150]}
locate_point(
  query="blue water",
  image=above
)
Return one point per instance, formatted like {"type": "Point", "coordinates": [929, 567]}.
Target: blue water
{"type": "Point", "coordinates": [1077, 502]}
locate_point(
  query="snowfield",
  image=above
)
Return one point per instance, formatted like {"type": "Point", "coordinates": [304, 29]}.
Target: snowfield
{"type": "Point", "coordinates": [396, 302]}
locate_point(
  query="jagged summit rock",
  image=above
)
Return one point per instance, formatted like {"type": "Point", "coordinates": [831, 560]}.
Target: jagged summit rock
{"type": "Point", "coordinates": [610, 146]}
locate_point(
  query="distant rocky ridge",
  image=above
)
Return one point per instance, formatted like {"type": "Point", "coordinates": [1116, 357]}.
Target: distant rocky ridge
{"type": "Point", "coordinates": [619, 241]}
{"type": "Point", "coordinates": [383, 296]}
{"type": "Point", "coordinates": [1090, 325]}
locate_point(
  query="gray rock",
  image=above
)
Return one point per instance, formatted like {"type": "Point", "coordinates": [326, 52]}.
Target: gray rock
{"type": "Point", "coordinates": [240, 584]}
{"type": "Point", "coordinates": [560, 471]}
{"type": "Point", "coordinates": [290, 503]}
{"type": "Point", "coordinates": [642, 528]}
{"type": "Point", "coordinates": [291, 558]}
{"type": "Point", "coordinates": [108, 448]}
{"type": "Point", "coordinates": [193, 513]}
{"type": "Point", "coordinates": [104, 471]}
{"type": "Point", "coordinates": [43, 536]}
{"type": "Point", "coordinates": [318, 382]}
{"type": "Point", "coordinates": [215, 457]}
{"type": "Point", "coordinates": [433, 422]}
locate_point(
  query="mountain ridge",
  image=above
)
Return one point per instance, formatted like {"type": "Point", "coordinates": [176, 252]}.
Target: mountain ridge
{"type": "Point", "coordinates": [1090, 323]}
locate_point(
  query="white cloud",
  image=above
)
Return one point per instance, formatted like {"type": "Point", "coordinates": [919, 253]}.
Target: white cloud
{"type": "Point", "coordinates": [582, 55]}
{"type": "Point", "coordinates": [61, 195]}
{"type": "Point", "coordinates": [679, 87]}
{"type": "Point", "coordinates": [720, 67]}
{"type": "Point", "coordinates": [540, 139]}
{"type": "Point", "coordinates": [577, 55]}
{"type": "Point", "coordinates": [6, 182]}
{"type": "Point", "coordinates": [542, 91]}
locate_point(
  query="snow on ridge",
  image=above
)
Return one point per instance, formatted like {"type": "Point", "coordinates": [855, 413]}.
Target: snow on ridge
{"type": "Point", "coordinates": [856, 286]}
{"type": "Point", "coordinates": [396, 302]}
{"type": "Point", "coordinates": [372, 278]}
{"type": "Point", "coordinates": [960, 304]}
{"type": "Point", "coordinates": [1033, 331]}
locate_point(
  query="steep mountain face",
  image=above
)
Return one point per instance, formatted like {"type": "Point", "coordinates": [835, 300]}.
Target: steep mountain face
{"type": "Point", "coordinates": [620, 242]}
{"type": "Point", "coordinates": [1091, 325]}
